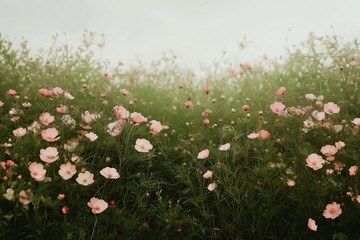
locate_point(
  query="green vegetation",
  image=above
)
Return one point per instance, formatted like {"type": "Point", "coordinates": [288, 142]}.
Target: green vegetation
{"type": "Point", "coordinates": [292, 125]}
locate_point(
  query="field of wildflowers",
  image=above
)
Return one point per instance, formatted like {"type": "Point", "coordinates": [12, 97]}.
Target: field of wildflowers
{"type": "Point", "coordinates": [268, 150]}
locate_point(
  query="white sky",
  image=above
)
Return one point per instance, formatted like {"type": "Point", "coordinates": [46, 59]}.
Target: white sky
{"type": "Point", "coordinates": [196, 30]}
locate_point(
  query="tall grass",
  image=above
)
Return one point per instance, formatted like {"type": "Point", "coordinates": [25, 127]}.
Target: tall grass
{"type": "Point", "coordinates": [261, 187]}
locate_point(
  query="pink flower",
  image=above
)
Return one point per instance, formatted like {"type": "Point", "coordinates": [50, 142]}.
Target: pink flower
{"type": "Point", "coordinates": [278, 108]}
{"type": "Point", "coordinates": [312, 225]}
{"type": "Point", "coordinates": [19, 132]}
{"type": "Point", "coordinates": [208, 175]}
{"type": "Point", "coordinates": [263, 134]}
{"type": "Point", "coordinates": [339, 145]}
{"type": "Point", "coordinates": [315, 161]}
{"type": "Point", "coordinates": [206, 121]}
{"type": "Point", "coordinates": [224, 147]}
{"type": "Point", "coordinates": [207, 89]}
{"type": "Point", "coordinates": [67, 170]}
{"type": "Point", "coordinates": [155, 127]}
{"type": "Point", "coordinates": [253, 135]}
{"type": "Point", "coordinates": [143, 145]}
{"type": "Point", "coordinates": [281, 91]}
{"type": "Point", "coordinates": [203, 154]}
{"type": "Point", "coordinates": [121, 112]}
{"type": "Point", "coordinates": [330, 171]}
{"type": "Point", "coordinates": [356, 121]}
{"type": "Point", "coordinates": [245, 107]}
{"type": "Point", "coordinates": [331, 108]}
{"type": "Point", "coordinates": [137, 118]}
{"type": "Point", "coordinates": [332, 210]}
{"type": "Point", "coordinates": [26, 104]}
{"type": "Point", "coordinates": [212, 186]}
{"type": "Point", "coordinates": [11, 92]}
{"type": "Point", "coordinates": [37, 171]}
{"type": "Point", "coordinates": [290, 183]}
{"type": "Point", "coordinates": [61, 196]}
{"type": "Point", "coordinates": [45, 92]}
{"type": "Point", "coordinates": [353, 170]}
{"type": "Point", "coordinates": [358, 198]}
{"type": "Point", "coordinates": [329, 150]}
{"type": "Point", "coordinates": [62, 109]}
{"type": "Point", "coordinates": [68, 95]}
{"type": "Point", "coordinates": [89, 117]}
{"type": "Point", "coordinates": [318, 115]}
{"type": "Point", "coordinates": [1, 104]}
{"type": "Point", "coordinates": [46, 118]}
{"type": "Point", "coordinates": [57, 90]}
{"type": "Point", "coordinates": [188, 104]}
{"type": "Point", "coordinates": [110, 173]}
{"type": "Point", "coordinates": [310, 96]}
{"type": "Point", "coordinates": [24, 198]}
{"type": "Point", "coordinates": [115, 128]}
{"type": "Point", "coordinates": [124, 92]}
{"type": "Point", "coordinates": [91, 136]}
{"type": "Point", "coordinates": [97, 205]}
{"type": "Point", "coordinates": [49, 155]}
{"type": "Point", "coordinates": [85, 178]}
{"type": "Point", "coordinates": [50, 135]}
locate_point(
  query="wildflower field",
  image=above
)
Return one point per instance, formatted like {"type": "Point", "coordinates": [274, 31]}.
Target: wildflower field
{"type": "Point", "coordinates": [267, 150]}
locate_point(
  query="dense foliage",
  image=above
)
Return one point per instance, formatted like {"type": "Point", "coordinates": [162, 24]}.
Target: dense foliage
{"type": "Point", "coordinates": [268, 150]}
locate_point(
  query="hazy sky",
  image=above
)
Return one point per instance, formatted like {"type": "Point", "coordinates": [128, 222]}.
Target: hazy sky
{"type": "Point", "coordinates": [197, 30]}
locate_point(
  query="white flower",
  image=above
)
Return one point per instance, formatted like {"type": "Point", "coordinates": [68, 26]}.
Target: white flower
{"type": "Point", "coordinates": [9, 195]}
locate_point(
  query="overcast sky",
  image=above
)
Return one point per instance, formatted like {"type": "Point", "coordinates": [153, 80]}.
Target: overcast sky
{"type": "Point", "coordinates": [196, 30]}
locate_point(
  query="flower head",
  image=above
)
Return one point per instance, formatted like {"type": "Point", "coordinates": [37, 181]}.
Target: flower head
{"type": "Point", "coordinates": [203, 154]}
{"type": "Point", "coordinates": [281, 91]}
{"type": "Point", "coordinates": [278, 108]}
{"type": "Point", "coordinates": [212, 186]}
{"type": "Point", "coordinates": [143, 145]}
{"type": "Point", "coordinates": [24, 197]}
{"type": "Point", "coordinates": [115, 128]}
{"type": "Point", "coordinates": [329, 150]}
{"type": "Point", "coordinates": [46, 118]}
{"type": "Point", "coordinates": [155, 127]}
{"type": "Point", "coordinates": [97, 205]}
{"type": "Point", "coordinates": [264, 134]}
{"type": "Point", "coordinates": [137, 118]}
{"type": "Point", "coordinates": [9, 195]}
{"type": "Point", "coordinates": [49, 155]}
{"type": "Point", "coordinates": [85, 178]}
{"type": "Point", "coordinates": [91, 136]}
{"type": "Point", "coordinates": [68, 95]}
{"type": "Point", "coordinates": [253, 135]}
{"type": "Point", "coordinates": [315, 161]}
{"type": "Point", "coordinates": [208, 175]}
{"type": "Point", "coordinates": [67, 170]}
{"type": "Point", "coordinates": [331, 108]}
{"type": "Point", "coordinates": [37, 171]}
{"type": "Point", "coordinates": [121, 112]}
{"type": "Point", "coordinates": [45, 92]}
{"type": "Point", "coordinates": [50, 135]}
{"type": "Point", "coordinates": [312, 225]}
{"type": "Point", "coordinates": [110, 173]}
{"type": "Point", "coordinates": [224, 147]}
{"type": "Point", "coordinates": [332, 210]}
{"type": "Point", "coordinates": [353, 170]}
{"type": "Point", "coordinates": [19, 132]}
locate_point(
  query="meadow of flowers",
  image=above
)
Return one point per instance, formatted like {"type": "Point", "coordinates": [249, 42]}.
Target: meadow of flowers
{"type": "Point", "coordinates": [267, 150]}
